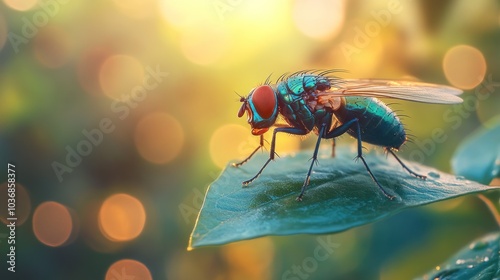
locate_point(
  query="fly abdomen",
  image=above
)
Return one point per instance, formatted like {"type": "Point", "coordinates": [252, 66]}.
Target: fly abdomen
{"type": "Point", "coordinates": [379, 124]}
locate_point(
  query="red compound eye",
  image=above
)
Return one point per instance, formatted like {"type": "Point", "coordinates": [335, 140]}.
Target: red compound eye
{"type": "Point", "coordinates": [264, 100]}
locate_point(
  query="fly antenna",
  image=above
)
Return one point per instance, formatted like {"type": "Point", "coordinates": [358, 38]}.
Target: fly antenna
{"type": "Point", "coordinates": [241, 97]}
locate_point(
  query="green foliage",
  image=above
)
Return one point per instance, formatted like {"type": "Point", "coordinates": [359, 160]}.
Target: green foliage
{"type": "Point", "coordinates": [478, 260]}
{"type": "Point", "coordinates": [478, 157]}
{"type": "Point", "coordinates": [341, 196]}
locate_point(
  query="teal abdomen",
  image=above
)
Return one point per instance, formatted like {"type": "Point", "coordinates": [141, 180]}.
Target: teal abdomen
{"type": "Point", "coordinates": [379, 124]}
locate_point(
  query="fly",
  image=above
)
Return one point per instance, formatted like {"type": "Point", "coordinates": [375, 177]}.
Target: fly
{"type": "Point", "coordinates": [330, 106]}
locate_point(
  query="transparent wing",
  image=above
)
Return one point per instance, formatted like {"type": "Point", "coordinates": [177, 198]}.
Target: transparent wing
{"type": "Point", "coordinates": [406, 90]}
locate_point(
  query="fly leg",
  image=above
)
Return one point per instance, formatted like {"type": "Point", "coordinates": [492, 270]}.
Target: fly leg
{"type": "Point", "coordinates": [313, 160]}
{"type": "Point", "coordinates": [334, 125]}
{"type": "Point", "coordinates": [261, 145]}
{"type": "Point", "coordinates": [343, 129]}
{"type": "Point", "coordinates": [404, 165]}
{"type": "Point", "coordinates": [333, 147]}
{"type": "Point", "coordinates": [290, 130]}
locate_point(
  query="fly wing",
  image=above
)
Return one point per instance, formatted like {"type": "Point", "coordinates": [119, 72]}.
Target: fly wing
{"type": "Point", "coordinates": [406, 90]}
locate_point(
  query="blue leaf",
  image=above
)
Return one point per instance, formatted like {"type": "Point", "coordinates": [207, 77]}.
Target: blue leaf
{"type": "Point", "coordinates": [341, 196]}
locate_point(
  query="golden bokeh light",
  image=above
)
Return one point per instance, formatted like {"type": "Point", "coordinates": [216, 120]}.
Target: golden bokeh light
{"type": "Point", "coordinates": [464, 66]}
{"type": "Point", "coordinates": [361, 62]}
{"type": "Point", "coordinates": [182, 13]}
{"type": "Point", "coordinates": [12, 103]}
{"type": "Point", "coordinates": [231, 142]}
{"type": "Point", "coordinates": [128, 269]}
{"type": "Point", "coordinates": [254, 28]}
{"type": "Point", "coordinates": [447, 205]}
{"type": "Point", "coordinates": [159, 137]}
{"type": "Point", "coordinates": [23, 203]}
{"type": "Point", "coordinates": [285, 143]}
{"type": "Point", "coordinates": [204, 43]}
{"type": "Point", "coordinates": [179, 266]}
{"type": "Point", "coordinates": [91, 232]}
{"type": "Point", "coordinates": [136, 9]}
{"type": "Point", "coordinates": [52, 47]}
{"type": "Point", "coordinates": [122, 217]}
{"type": "Point", "coordinates": [234, 142]}
{"type": "Point", "coordinates": [319, 19]}
{"type": "Point", "coordinates": [495, 182]}
{"type": "Point", "coordinates": [250, 259]}
{"type": "Point", "coordinates": [119, 74]}
{"type": "Point", "coordinates": [52, 223]}
{"type": "Point", "coordinates": [20, 5]}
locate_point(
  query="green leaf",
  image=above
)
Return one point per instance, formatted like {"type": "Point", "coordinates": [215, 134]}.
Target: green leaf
{"type": "Point", "coordinates": [478, 157]}
{"type": "Point", "coordinates": [478, 260]}
{"type": "Point", "coordinates": [341, 195]}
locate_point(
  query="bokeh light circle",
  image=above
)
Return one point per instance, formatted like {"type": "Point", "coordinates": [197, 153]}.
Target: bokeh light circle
{"type": "Point", "coordinates": [234, 142]}
{"type": "Point", "coordinates": [159, 137]}
{"type": "Point", "coordinates": [136, 9]}
{"type": "Point", "coordinates": [121, 217]}
{"type": "Point", "coordinates": [20, 5]}
{"type": "Point", "coordinates": [204, 43]}
{"type": "Point", "coordinates": [91, 232]}
{"type": "Point", "coordinates": [23, 203]}
{"type": "Point", "coordinates": [250, 259]}
{"type": "Point", "coordinates": [52, 223]}
{"type": "Point", "coordinates": [319, 19]}
{"type": "Point", "coordinates": [128, 269]}
{"type": "Point", "coordinates": [230, 142]}
{"type": "Point", "coordinates": [119, 74]}
{"type": "Point", "coordinates": [464, 66]}
{"type": "Point", "coordinates": [181, 13]}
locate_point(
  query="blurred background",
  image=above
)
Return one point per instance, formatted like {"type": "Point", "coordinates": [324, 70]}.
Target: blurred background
{"type": "Point", "coordinates": [119, 114]}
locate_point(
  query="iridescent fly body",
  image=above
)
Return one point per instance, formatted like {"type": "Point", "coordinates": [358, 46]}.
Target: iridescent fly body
{"type": "Point", "coordinates": [311, 101]}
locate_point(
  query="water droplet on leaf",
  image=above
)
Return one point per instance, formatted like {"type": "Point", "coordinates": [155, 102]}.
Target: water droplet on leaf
{"type": "Point", "coordinates": [478, 245]}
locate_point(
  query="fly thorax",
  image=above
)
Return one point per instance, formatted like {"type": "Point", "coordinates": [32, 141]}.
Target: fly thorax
{"type": "Point", "coordinates": [336, 102]}
{"type": "Point", "coordinates": [330, 102]}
